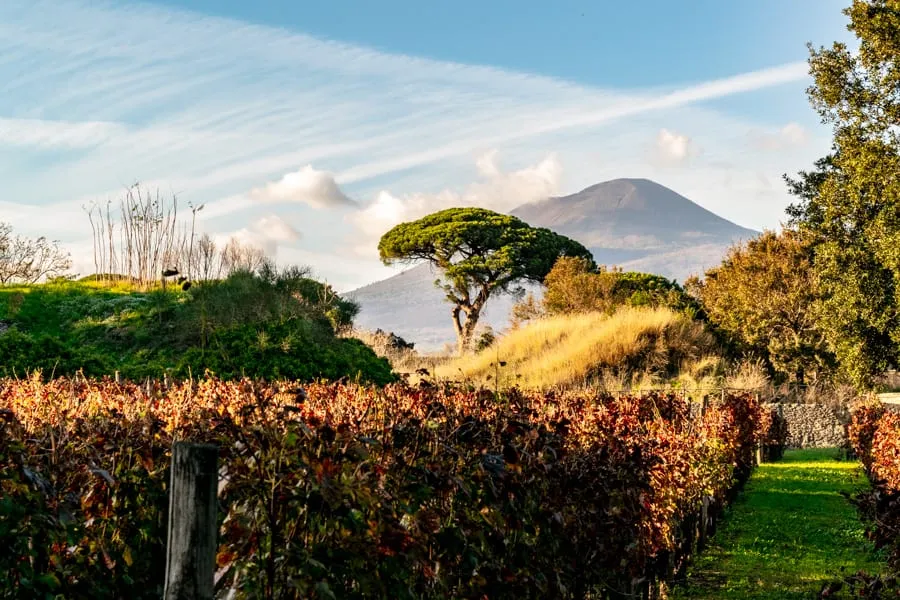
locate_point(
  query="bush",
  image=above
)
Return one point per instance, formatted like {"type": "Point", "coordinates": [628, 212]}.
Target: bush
{"type": "Point", "coordinates": [875, 437]}
{"type": "Point", "coordinates": [861, 431]}
{"type": "Point", "coordinates": [344, 491]}
{"type": "Point", "coordinates": [266, 326]}
{"type": "Point", "coordinates": [573, 286]}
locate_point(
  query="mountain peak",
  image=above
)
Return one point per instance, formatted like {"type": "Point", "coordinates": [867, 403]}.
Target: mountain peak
{"type": "Point", "coordinates": [632, 183]}
{"type": "Point", "coordinates": [612, 213]}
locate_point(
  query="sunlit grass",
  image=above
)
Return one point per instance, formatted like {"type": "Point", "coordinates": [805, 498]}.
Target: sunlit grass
{"type": "Point", "coordinates": [571, 349]}
{"type": "Point", "coordinates": [789, 533]}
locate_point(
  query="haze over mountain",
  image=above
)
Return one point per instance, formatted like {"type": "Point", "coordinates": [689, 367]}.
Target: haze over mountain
{"type": "Point", "coordinates": [636, 224]}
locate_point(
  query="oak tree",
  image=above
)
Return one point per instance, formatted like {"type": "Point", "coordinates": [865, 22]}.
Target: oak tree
{"type": "Point", "coordinates": [764, 297]}
{"type": "Point", "coordinates": [849, 204]}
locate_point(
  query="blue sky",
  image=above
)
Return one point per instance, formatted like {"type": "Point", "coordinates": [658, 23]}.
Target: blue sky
{"type": "Point", "coordinates": [310, 128]}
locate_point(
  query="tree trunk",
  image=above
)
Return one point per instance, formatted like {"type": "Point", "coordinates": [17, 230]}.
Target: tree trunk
{"type": "Point", "coordinates": [455, 312]}
{"type": "Point", "coordinates": [469, 328]}
{"type": "Point", "coordinates": [465, 319]}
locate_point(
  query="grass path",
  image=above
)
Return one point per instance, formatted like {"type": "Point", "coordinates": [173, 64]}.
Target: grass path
{"type": "Point", "coordinates": [787, 534]}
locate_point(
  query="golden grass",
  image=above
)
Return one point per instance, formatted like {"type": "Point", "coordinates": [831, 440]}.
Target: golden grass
{"type": "Point", "coordinates": [572, 350]}
{"type": "Point", "coordinates": [404, 361]}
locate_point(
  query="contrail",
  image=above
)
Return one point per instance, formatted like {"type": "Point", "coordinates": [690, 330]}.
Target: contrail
{"type": "Point", "coordinates": [710, 90]}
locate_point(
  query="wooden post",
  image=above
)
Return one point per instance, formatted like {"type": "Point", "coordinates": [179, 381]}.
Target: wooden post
{"type": "Point", "coordinates": [704, 524]}
{"type": "Point", "coordinates": [191, 547]}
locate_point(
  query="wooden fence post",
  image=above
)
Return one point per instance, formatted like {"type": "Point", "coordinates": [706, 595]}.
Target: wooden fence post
{"type": "Point", "coordinates": [704, 524]}
{"type": "Point", "coordinates": [193, 503]}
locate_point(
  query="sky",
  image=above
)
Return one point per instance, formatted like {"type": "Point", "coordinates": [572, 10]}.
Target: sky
{"type": "Point", "coordinates": [311, 128]}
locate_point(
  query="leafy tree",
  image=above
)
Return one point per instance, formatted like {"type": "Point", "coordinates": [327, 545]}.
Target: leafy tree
{"type": "Point", "coordinates": [575, 285]}
{"type": "Point", "coordinates": [849, 205]}
{"type": "Point", "coordinates": [763, 296]}
{"type": "Point", "coordinates": [480, 253]}
{"type": "Point", "coordinates": [29, 260]}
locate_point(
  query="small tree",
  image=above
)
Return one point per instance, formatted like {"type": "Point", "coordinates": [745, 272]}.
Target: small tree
{"type": "Point", "coordinates": [479, 253]}
{"type": "Point", "coordinates": [29, 260]}
{"type": "Point", "coordinates": [575, 286]}
{"type": "Point", "coordinates": [764, 296]}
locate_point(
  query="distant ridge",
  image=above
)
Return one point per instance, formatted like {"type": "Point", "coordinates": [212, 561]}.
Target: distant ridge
{"type": "Point", "coordinates": [637, 224]}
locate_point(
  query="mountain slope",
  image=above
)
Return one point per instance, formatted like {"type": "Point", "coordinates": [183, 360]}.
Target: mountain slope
{"type": "Point", "coordinates": [631, 214]}
{"type": "Point", "coordinates": [636, 224]}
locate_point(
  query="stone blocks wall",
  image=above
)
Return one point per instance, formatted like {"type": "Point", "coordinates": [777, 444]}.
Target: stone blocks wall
{"type": "Point", "coordinates": [814, 425]}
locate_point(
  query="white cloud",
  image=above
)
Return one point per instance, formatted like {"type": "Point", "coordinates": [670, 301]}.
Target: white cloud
{"type": "Point", "coordinates": [792, 135]}
{"type": "Point", "coordinates": [674, 148]}
{"type": "Point", "coordinates": [277, 229]}
{"type": "Point", "coordinates": [268, 233]}
{"type": "Point", "coordinates": [496, 190]}
{"type": "Point", "coordinates": [306, 186]}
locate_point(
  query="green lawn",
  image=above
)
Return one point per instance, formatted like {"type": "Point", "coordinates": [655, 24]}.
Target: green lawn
{"type": "Point", "coordinates": [787, 534]}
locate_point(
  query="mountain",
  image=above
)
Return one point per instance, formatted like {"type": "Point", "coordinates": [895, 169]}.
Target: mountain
{"type": "Point", "coordinates": [637, 224]}
{"type": "Point", "coordinates": [631, 219]}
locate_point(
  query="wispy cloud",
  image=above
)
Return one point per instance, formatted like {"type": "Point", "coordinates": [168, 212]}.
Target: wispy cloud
{"type": "Point", "coordinates": [787, 137]}
{"type": "Point", "coordinates": [95, 95]}
{"type": "Point", "coordinates": [57, 134]}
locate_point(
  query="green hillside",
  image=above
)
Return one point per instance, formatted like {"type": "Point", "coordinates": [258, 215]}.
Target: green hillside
{"type": "Point", "coordinates": [270, 326]}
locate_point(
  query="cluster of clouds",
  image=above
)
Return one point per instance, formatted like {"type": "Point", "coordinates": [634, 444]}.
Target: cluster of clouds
{"type": "Point", "coordinates": [284, 136]}
{"type": "Point", "coordinates": [494, 188]}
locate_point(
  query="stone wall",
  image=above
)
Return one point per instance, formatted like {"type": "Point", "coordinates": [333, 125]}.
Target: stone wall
{"type": "Point", "coordinates": [814, 425]}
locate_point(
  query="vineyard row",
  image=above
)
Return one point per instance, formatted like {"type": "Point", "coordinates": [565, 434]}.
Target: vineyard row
{"type": "Point", "coordinates": [341, 491]}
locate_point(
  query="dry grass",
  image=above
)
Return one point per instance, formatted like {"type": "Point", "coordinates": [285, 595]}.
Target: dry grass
{"type": "Point", "coordinates": [747, 375]}
{"type": "Point", "coordinates": [404, 361]}
{"type": "Point", "coordinates": [633, 347]}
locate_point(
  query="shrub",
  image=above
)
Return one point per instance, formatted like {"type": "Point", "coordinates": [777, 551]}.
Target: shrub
{"type": "Point", "coordinates": [861, 431]}
{"type": "Point", "coordinates": [873, 433]}
{"type": "Point", "coordinates": [574, 286]}
{"type": "Point", "coordinates": [344, 491]}
{"type": "Point", "coordinates": [269, 326]}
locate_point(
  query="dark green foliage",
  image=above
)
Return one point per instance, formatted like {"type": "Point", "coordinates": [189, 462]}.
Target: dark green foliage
{"type": "Point", "coordinates": [648, 289]}
{"type": "Point", "coordinates": [282, 326]}
{"type": "Point", "coordinates": [479, 253]}
{"type": "Point", "coordinates": [849, 204]}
